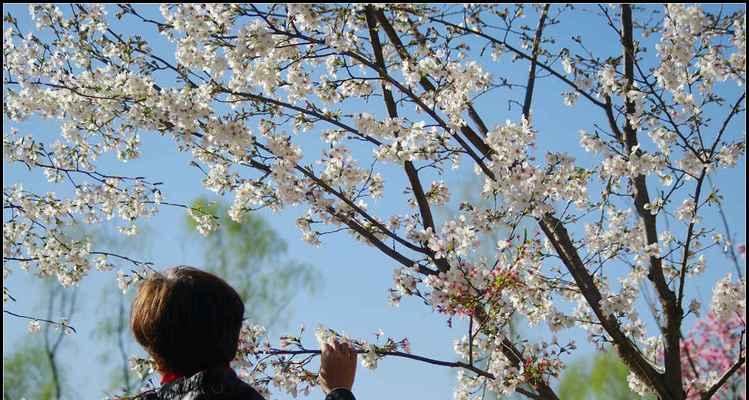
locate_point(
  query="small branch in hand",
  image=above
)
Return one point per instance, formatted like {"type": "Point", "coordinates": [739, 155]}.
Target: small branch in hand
{"type": "Point", "coordinates": [451, 364]}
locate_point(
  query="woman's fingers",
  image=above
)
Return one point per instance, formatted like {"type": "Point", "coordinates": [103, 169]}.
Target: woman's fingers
{"type": "Point", "coordinates": [337, 365]}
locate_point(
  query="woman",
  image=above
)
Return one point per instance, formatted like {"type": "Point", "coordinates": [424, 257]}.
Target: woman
{"type": "Point", "coordinates": [189, 320]}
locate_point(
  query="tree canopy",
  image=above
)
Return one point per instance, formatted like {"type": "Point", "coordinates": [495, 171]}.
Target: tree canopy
{"type": "Point", "coordinates": [356, 116]}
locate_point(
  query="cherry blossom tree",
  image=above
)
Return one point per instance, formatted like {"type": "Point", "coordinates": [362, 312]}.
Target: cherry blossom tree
{"type": "Point", "coordinates": [399, 92]}
{"type": "Point", "coordinates": [711, 348]}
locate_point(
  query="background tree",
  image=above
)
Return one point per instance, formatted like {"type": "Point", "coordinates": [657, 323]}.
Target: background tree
{"type": "Point", "coordinates": [35, 369]}
{"type": "Point", "coordinates": [27, 373]}
{"type": "Point", "coordinates": [251, 256]}
{"type": "Point", "coordinates": [113, 329]}
{"type": "Point", "coordinates": [601, 377]}
{"type": "Point", "coordinates": [711, 346]}
{"type": "Point", "coordinates": [248, 254]}
{"type": "Point", "coordinates": [237, 252]}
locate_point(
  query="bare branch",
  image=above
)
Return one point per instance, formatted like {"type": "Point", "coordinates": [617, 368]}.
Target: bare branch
{"type": "Point", "coordinates": [534, 62]}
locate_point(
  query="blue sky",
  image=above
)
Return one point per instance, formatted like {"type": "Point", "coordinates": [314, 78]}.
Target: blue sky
{"type": "Point", "coordinates": [355, 277]}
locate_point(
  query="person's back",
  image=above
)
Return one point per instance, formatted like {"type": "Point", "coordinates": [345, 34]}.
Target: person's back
{"type": "Point", "coordinates": [213, 383]}
{"type": "Point", "coordinates": [217, 384]}
{"type": "Point", "coordinates": [189, 321]}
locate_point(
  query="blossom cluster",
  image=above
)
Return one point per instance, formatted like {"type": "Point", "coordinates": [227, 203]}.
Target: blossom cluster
{"type": "Point", "coordinates": [286, 367]}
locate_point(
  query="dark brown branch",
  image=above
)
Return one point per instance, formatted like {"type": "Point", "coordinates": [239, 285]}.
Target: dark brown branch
{"type": "Point", "coordinates": [432, 361]}
{"type": "Point", "coordinates": [358, 228]}
{"type": "Point", "coordinates": [534, 61]}
{"type": "Point", "coordinates": [451, 364]}
{"type": "Point", "coordinates": [723, 379]}
{"type": "Point", "coordinates": [390, 252]}
{"type": "Point", "coordinates": [559, 238]}
{"type": "Point", "coordinates": [303, 110]}
{"type": "Point", "coordinates": [470, 339]}
{"type": "Point", "coordinates": [416, 99]}
{"type": "Point", "coordinates": [522, 55]}
{"type": "Point", "coordinates": [471, 110]}
{"type": "Point", "coordinates": [359, 210]}
{"type": "Point", "coordinates": [690, 236]}
{"type": "Point", "coordinates": [671, 308]}
{"type": "Point", "coordinates": [62, 326]}
{"type": "Point", "coordinates": [609, 110]}
{"type": "Point", "coordinates": [474, 138]}
{"type": "Point", "coordinates": [734, 111]}
{"type": "Point", "coordinates": [342, 197]}
{"type": "Point", "coordinates": [413, 175]}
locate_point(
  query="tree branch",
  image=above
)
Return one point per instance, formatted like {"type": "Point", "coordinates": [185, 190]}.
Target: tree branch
{"type": "Point", "coordinates": [413, 175]}
{"type": "Point", "coordinates": [474, 138]}
{"type": "Point", "coordinates": [723, 379]}
{"type": "Point", "coordinates": [471, 110]}
{"type": "Point", "coordinates": [523, 55]}
{"type": "Point", "coordinates": [62, 326]}
{"type": "Point", "coordinates": [392, 253]}
{"type": "Point", "coordinates": [559, 238]}
{"type": "Point", "coordinates": [671, 307]}
{"type": "Point", "coordinates": [534, 61]}
{"type": "Point", "coordinates": [432, 361]}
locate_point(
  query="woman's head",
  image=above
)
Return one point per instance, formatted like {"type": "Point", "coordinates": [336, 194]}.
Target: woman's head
{"type": "Point", "coordinates": [187, 319]}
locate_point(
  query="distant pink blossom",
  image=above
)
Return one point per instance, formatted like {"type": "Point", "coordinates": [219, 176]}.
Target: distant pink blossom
{"type": "Point", "coordinates": [709, 350]}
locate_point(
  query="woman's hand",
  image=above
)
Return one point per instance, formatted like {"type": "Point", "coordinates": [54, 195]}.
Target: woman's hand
{"type": "Point", "coordinates": [337, 367]}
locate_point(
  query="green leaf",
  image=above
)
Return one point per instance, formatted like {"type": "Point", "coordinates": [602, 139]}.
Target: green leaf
{"type": "Point", "coordinates": [27, 373]}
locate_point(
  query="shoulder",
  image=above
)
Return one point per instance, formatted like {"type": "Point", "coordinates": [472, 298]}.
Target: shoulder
{"type": "Point", "coordinates": [340, 394]}
{"type": "Point", "coordinates": [148, 395]}
{"type": "Point", "coordinates": [244, 393]}
{"type": "Point", "coordinates": [239, 390]}
{"type": "Point", "coordinates": [205, 385]}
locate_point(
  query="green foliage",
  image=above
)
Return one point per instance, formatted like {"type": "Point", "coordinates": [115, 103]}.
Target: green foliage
{"type": "Point", "coordinates": [27, 373]}
{"type": "Point", "coordinates": [602, 377]}
{"type": "Point", "coordinates": [252, 258]}
{"type": "Point", "coordinates": [112, 307]}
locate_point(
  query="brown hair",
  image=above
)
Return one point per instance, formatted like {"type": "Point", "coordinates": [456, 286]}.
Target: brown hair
{"type": "Point", "coordinates": [187, 319]}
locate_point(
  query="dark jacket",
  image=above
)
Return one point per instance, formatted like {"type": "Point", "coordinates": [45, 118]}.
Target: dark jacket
{"type": "Point", "coordinates": [217, 384]}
